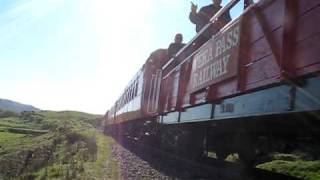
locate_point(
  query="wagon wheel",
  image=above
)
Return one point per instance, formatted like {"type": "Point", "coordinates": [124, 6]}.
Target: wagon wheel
{"type": "Point", "coordinates": [194, 143]}
{"type": "Point", "coordinates": [171, 138]}
{"type": "Point", "coordinates": [246, 149]}
{"type": "Point", "coordinates": [184, 142]}
{"type": "Point", "coordinates": [222, 154]}
{"type": "Point", "coordinates": [247, 157]}
{"type": "Point", "coordinates": [221, 149]}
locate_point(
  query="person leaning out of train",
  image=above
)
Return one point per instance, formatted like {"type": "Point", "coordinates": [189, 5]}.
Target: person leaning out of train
{"type": "Point", "coordinates": [175, 46]}
{"type": "Point", "coordinates": [201, 18]}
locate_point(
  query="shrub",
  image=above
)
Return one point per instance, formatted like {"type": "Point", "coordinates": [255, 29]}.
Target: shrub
{"type": "Point", "coordinates": [5, 114]}
{"type": "Point", "coordinates": [31, 116]}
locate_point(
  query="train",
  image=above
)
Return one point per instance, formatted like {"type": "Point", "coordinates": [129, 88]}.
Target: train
{"type": "Point", "coordinates": [250, 87]}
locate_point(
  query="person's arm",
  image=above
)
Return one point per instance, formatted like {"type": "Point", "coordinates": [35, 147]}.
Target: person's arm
{"type": "Point", "coordinates": [193, 16]}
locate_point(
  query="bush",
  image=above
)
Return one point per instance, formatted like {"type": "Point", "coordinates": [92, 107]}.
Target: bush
{"type": "Point", "coordinates": [5, 114]}
{"type": "Point", "coordinates": [73, 137]}
{"type": "Point", "coordinates": [89, 142]}
{"type": "Point", "coordinates": [31, 116]}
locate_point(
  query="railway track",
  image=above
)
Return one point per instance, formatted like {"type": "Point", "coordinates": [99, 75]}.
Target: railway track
{"type": "Point", "coordinates": [178, 167]}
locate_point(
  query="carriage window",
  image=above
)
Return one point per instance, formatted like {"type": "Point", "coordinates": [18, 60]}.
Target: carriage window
{"type": "Point", "coordinates": [130, 93]}
{"type": "Point", "coordinates": [136, 93]}
{"type": "Point", "coordinates": [121, 101]}
{"type": "Point", "coordinates": [133, 90]}
{"type": "Point", "coordinates": [126, 97]}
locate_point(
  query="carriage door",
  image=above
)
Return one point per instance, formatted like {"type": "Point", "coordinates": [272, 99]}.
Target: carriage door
{"type": "Point", "coordinates": [154, 90]}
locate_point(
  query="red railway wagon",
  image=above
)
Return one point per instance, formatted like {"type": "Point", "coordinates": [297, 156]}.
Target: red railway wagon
{"type": "Point", "coordinates": [250, 82]}
{"type": "Point", "coordinates": [140, 97]}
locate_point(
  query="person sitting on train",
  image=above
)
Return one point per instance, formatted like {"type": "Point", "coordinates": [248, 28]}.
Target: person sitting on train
{"type": "Point", "coordinates": [201, 18]}
{"type": "Point", "coordinates": [159, 56]}
{"type": "Point", "coordinates": [175, 46]}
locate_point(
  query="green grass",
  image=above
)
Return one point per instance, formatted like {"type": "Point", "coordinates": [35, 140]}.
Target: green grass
{"type": "Point", "coordinates": [99, 165]}
{"type": "Point", "coordinates": [309, 170]}
{"type": "Point", "coordinates": [58, 145]}
{"type": "Point", "coordinates": [103, 161]}
{"type": "Point", "coordinates": [6, 137]}
{"type": "Point", "coordinates": [13, 122]}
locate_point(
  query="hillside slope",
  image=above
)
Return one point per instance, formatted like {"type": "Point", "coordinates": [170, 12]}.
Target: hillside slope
{"type": "Point", "coordinates": [9, 105]}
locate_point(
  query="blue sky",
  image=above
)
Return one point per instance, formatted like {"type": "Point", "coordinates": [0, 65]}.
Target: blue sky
{"type": "Point", "coordinates": [79, 54]}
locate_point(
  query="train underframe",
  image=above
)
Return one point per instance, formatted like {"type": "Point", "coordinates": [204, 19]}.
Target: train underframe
{"type": "Point", "coordinates": [283, 124]}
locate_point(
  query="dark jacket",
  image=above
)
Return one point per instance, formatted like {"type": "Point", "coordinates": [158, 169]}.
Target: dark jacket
{"type": "Point", "coordinates": [203, 17]}
{"type": "Point", "coordinates": [174, 48]}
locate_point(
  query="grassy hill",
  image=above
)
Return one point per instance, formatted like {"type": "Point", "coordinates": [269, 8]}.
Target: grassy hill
{"type": "Point", "coordinates": [8, 105]}
{"type": "Point", "coordinates": [48, 144]}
